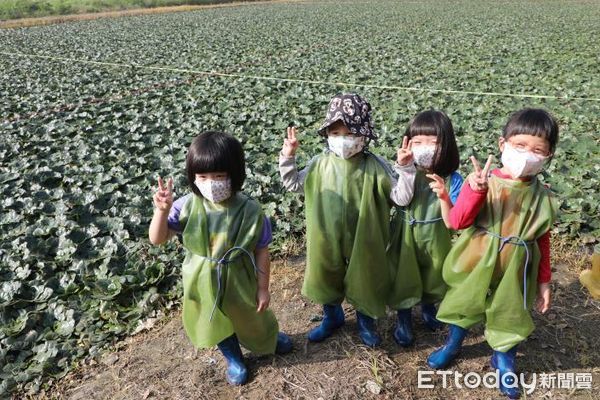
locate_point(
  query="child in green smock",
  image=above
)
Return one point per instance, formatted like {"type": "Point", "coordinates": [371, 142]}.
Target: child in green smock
{"type": "Point", "coordinates": [502, 258]}
{"type": "Point", "coordinates": [226, 268]}
{"type": "Point", "coordinates": [420, 239]}
{"type": "Point", "coordinates": [348, 196]}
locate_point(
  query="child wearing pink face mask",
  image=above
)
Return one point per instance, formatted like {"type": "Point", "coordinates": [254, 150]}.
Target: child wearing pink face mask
{"type": "Point", "coordinates": [502, 258]}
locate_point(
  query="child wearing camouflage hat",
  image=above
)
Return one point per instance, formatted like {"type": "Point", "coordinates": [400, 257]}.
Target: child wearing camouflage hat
{"type": "Point", "coordinates": [348, 196]}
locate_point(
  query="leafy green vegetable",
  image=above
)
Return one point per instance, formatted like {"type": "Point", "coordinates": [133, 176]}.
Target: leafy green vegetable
{"type": "Point", "coordinates": [82, 144]}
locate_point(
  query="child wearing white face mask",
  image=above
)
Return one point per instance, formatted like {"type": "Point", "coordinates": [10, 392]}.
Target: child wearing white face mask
{"type": "Point", "coordinates": [502, 258]}
{"type": "Point", "coordinates": [420, 239]}
{"type": "Point", "coordinates": [348, 196]}
{"type": "Point", "coordinates": [226, 268]}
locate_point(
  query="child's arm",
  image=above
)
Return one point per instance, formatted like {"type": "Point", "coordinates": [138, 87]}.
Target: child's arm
{"type": "Point", "coordinates": [404, 188]}
{"type": "Point", "coordinates": [292, 180]}
{"type": "Point", "coordinates": [438, 186]}
{"type": "Point", "coordinates": [263, 262]}
{"type": "Point", "coordinates": [544, 298]}
{"type": "Point", "coordinates": [163, 200]}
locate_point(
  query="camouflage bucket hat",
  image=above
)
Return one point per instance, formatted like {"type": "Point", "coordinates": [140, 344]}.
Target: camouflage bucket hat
{"type": "Point", "coordinates": [353, 111]}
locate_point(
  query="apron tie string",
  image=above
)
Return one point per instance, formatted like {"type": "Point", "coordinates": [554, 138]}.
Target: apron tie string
{"type": "Point", "coordinates": [224, 261]}
{"type": "Point", "coordinates": [411, 220]}
{"type": "Point", "coordinates": [517, 241]}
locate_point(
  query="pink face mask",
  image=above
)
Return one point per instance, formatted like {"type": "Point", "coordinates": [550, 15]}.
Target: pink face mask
{"type": "Point", "coordinates": [521, 164]}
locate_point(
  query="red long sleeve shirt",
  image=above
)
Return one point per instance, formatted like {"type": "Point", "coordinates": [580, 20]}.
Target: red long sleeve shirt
{"type": "Point", "coordinates": [468, 205]}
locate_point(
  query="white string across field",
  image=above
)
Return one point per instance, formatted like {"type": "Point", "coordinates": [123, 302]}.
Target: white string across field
{"type": "Point", "coordinates": [296, 80]}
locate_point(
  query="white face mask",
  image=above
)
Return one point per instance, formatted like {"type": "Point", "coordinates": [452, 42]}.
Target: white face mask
{"type": "Point", "coordinates": [346, 146]}
{"type": "Point", "coordinates": [423, 155]}
{"type": "Point", "coordinates": [213, 190]}
{"type": "Point", "coordinates": [521, 163]}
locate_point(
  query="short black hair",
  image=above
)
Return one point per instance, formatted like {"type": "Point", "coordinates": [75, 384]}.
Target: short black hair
{"type": "Point", "coordinates": [535, 122]}
{"type": "Point", "coordinates": [214, 151]}
{"type": "Point", "coordinates": [436, 123]}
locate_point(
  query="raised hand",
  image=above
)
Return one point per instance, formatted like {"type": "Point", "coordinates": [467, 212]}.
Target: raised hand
{"type": "Point", "coordinates": [478, 179]}
{"type": "Point", "coordinates": [405, 154]}
{"type": "Point", "coordinates": [290, 144]}
{"type": "Point", "coordinates": [163, 198]}
{"type": "Point", "coordinates": [438, 186]}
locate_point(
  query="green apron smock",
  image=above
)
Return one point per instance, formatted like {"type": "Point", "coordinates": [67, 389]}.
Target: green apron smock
{"type": "Point", "coordinates": [419, 245]}
{"type": "Point", "coordinates": [347, 231]}
{"type": "Point", "coordinates": [484, 277]}
{"type": "Point", "coordinates": [210, 231]}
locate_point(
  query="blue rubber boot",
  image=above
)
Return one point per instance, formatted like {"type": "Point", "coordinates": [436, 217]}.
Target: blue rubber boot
{"type": "Point", "coordinates": [237, 374]}
{"type": "Point", "coordinates": [367, 330]}
{"type": "Point", "coordinates": [284, 344]}
{"type": "Point", "coordinates": [428, 313]}
{"type": "Point", "coordinates": [403, 334]}
{"type": "Point", "coordinates": [505, 363]}
{"type": "Point", "coordinates": [333, 318]}
{"type": "Point", "coordinates": [444, 355]}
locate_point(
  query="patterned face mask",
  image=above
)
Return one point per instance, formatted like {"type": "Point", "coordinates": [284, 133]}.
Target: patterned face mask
{"type": "Point", "coordinates": [423, 155]}
{"type": "Point", "coordinates": [213, 190]}
{"type": "Point", "coordinates": [346, 146]}
{"type": "Point", "coordinates": [521, 163]}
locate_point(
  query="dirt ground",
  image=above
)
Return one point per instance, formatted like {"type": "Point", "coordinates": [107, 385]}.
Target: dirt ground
{"type": "Point", "coordinates": [162, 364]}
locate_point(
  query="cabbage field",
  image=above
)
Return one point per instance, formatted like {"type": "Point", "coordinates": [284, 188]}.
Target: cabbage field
{"type": "Point", "coordinates": [92, 112]}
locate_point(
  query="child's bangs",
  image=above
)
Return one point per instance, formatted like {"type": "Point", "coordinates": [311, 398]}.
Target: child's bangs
{"type": "Point", "coordinates": [209, 159]}
{"type": "Point", "coordinates": [537, 128]}
{"type": "Point", "coordinates": [422, 130]}
{"type": "Point", "coordinates": [534, 122]}
{"type": "Point", "coordinates": [424, 124]}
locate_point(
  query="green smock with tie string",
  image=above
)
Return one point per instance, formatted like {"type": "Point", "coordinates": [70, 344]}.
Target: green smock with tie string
{"type": "Point", "coordinates": [347, 231]}
{"type": "Point", "coordinates": [419, 245]}
{"type": "Point", "coordinates": [210, 230]}
{"type": "Point", "coordinates": [485, 284]}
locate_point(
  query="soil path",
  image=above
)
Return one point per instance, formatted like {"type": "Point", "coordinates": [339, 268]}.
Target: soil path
{"type": "Point", "coordinates": [161, 363]}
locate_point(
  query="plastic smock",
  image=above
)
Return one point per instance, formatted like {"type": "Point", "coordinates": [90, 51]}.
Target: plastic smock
{"type": "Point", "coordinates": [347, 231]}
{"type": "Point", "coordinates": [219, 298]}
{"type": "Point", "coordinates": [419, 244]}
{"type": "Point", "coordinates": [486, 266]}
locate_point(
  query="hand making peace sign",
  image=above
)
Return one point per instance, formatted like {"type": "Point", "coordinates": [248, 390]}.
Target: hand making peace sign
{"type": "Point", "coordinates": [163, 198]}
{"type": "Point", "coordinates": [405, 154]}
{"type": "Point", "coordinates": [438, 186]}
{"type": "Point", "coordinates": [290, 144]}
{"type": "Point", "coordinates": [478, 179]}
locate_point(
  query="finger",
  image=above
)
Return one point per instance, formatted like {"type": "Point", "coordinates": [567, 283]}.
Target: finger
{"type": "Point", "coordinates": [476, 165]}
{"type": "Point", "coordinates": [405, 142]}
{"type": "Point", "coordinates": [293, 132]}
{"type": "Point", "coordinates": [170, 185]}
{"type": "Point", "coordinates": [289, 132]}
{"type": "Point", "coordinates": [487, 166]}
{"type": "Point", "coordinates": [160, 184]}
{"type": "Point", "coordinates": [436, 178]}
{"type": "Point", "coordinates": [161, 199]}
{"type": "Point", "coordinates": [410, 144]}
